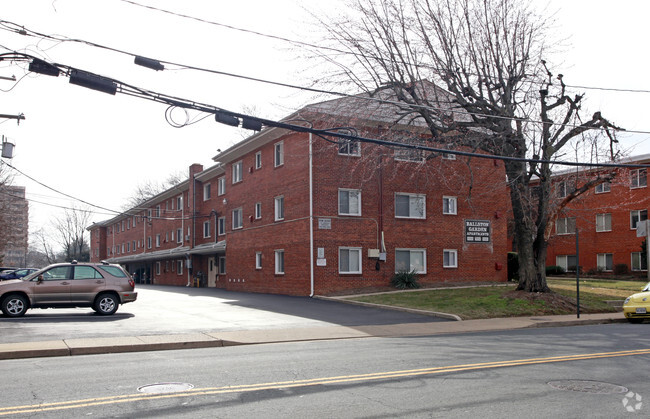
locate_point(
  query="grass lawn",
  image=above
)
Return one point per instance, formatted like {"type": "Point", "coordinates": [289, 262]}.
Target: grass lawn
{"type": "Point", "coordinates": [503, 301]}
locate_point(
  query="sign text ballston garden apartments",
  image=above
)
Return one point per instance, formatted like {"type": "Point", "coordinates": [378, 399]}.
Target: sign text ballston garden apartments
{"type": "Point", "coordinates": [478, 231]}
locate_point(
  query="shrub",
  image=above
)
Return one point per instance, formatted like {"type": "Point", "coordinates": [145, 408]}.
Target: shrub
{"type": "Point", "coordinates": [620, 269]}
{"type": "Point", "coordinates": [405, 280]}
{"type": "Point", "coordinates": [554, 270]}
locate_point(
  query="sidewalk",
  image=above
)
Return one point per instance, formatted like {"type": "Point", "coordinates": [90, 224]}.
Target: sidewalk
{"type": "Point", "coordinates": [86, 346]}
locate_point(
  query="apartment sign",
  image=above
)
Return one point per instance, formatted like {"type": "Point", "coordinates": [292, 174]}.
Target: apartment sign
{"type": "Point", "coordinates": [478, 231]}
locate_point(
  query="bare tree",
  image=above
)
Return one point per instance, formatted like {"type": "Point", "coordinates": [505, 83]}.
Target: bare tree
{"type": "Point", "coordinates": [148, 189]}
{"type": "Point", "coordinates": [71, 234]}
{"type": "Point", "coordinates": [5, 200]}
{"type": "Point", "coordinates": [500, 97]}
{"type": "Point", "coordinates": [43, 245]}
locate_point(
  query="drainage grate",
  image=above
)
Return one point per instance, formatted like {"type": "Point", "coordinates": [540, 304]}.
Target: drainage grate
{"type": "Point", "coordinates": [165, 388]}
{"type": "Point", "coordinates": [586, 386]}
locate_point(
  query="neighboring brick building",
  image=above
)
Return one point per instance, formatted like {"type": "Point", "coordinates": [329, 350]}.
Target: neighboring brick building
{"type": "Point", "coordinates": [606, 219]}
{"type": "Point", "coordinates": [291, 213]}
{"type": "Point", "coordinates": [14, 226]}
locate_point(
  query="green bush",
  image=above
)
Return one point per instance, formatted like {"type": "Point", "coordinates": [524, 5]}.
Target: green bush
{"type": "Point", "coordinates": [405, 280]}
{"type": "Point", "coordinates": [554, 270]}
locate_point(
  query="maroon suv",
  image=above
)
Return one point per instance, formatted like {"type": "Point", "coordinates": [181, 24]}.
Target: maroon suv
{"type": "Point", "coordinates": [101, 286]}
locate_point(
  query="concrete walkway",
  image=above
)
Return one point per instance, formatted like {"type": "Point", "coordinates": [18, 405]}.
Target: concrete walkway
{"type": "Point", "coordinates": [85, 346]}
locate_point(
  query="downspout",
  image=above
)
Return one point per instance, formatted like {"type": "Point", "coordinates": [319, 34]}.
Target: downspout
{"type": "Point", "coordinates": [311, 218]}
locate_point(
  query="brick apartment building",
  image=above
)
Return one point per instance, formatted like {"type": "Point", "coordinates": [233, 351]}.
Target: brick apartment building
{"type": "Point", "coordinates": [14, 226]}
{"type": "Point", "coordinates": [606, 219]}
{"type": "Point", "coordinates": [292, 213]}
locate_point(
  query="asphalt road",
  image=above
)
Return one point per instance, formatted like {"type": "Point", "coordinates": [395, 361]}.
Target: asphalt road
{"type": "Point", "coordinates": [572, 372]}
{"type": "Point", "coordinates": [173, 310]}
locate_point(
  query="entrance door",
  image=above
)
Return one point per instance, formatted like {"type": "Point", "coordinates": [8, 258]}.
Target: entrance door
{"type": "Point", "coordinates": [212, 271]}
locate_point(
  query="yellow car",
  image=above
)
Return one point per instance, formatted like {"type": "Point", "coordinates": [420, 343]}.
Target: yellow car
{"type": "Point", "coordinates": [636, 307]}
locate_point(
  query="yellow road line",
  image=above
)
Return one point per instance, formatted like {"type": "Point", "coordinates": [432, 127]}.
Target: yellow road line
{"type": "Point", "coordinates": [129, 398]}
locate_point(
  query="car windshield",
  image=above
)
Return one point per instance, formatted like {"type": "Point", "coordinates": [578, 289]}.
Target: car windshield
{"type": "Point", "coordinates": [32, 275]}
{"type": "Point", "coordinates": [647, 287]}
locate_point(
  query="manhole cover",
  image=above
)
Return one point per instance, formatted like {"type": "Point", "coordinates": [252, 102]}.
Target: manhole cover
{"type": "Point", "coordinates": [587, 386]}
{"type": "Point", "coordinates": [165, 387]}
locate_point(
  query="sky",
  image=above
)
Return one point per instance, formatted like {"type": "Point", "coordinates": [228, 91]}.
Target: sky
{"type": "Point", "coordinates": [98, 148]}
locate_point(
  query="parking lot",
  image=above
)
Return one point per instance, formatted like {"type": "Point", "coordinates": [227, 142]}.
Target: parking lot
{"type": "Point", "coordinates": [174, 310]}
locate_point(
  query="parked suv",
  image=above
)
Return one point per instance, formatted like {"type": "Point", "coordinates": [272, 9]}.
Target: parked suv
{"type": "Point", "coordinates": [101, 286]}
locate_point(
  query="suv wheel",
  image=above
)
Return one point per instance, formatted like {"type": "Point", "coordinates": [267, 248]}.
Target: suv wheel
{"type": "Point", "coordinates": [14, 305]}
{"type": "Point", "coordinates": [106, 304]}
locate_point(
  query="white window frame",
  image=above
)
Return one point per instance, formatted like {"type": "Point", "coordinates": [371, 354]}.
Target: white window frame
{"type": "Point", "coordinates": [602, 260]}
{"type": "Point", "coordinates": [448, 156]}
{"type": "Point", "coordinates": [179, 235]}
{"type": "Point", "coordinates": [206, 229]}
{"type": "Point", "coordinates": [221, 226]}
{"type": "Point", "coordinates": [279, 262]}
{"type": "Point", "coordinates": [412, 214]}
{"type": "Point", "coordinates": [604, 187]}
{"type": "Point", "coordinates": [603, 222]}
{"type": "Point", "coordinates": [149, 242]}
{"type": "Point", "coordinates": [411, 252]}
{"type": "Point", "coordinates": [157, 268]}
{"type": "Point", "coordinates": [237, 218]}
{"type": "Point", "coordinates": [221, 186]}
{"type": "Point", "coordinates": [563, 261]}
{"type": "Point", "coordinates": [565, 226]}
{"type": "Point", "coordinates": [636, 216]}
{"type": "Point", "coordinates": [258, 260]}
{"type": "Point", "coordinates": [179, 267]}
{"type": "Point", "coordinates": [636, 262]}
{"type": "Point", "coordinates": [158, 240]}
{"type": "Point", "coordinates": [447, 256]}
{"type": "Point", "coordinates": [347, 270]}
{"type": "Point", "coordinates": [449, 205]}
{"type": "Point", "coordinates": [258, 160]}
{"type": "Point", "coordinates": [278, 204]}
{"type": "Point", "coordinates": [350, 148]}
{"type": "Point", "coordinates": [278, 154]}
{"type": "Point", "coordinates": [222, 265]}
{"type": "Point", "coordinates": [347, 192]}
{"type": "Point", "coordinates": [207, 191]}
{"type": "Point", "coordinates": [237, 172]}
{"type": "Point", "coordinates": [258, 210]}
{"type": "Point", "coordinates": [638, 178]}
{"type": "Point", "coordinates": [179, 202]}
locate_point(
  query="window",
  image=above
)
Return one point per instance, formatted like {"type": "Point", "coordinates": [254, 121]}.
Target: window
{"type": "Point", "coordinates": [410, 154]}
{"type": "Point", "coordinates": [222, 265]}
{"type": "Point", "coordinates": [449, 205]}
{"type": "Point", "coordinates": [450, 258]}
{"type": "Point", "coordinates": [221, 186]}
{"type": "Point", "coordinates": [258, 260]}
{"type": "Point", "coordinates": [179, 202]}
{"type": "Point", "coordinates": [221, 226]}
{"type": "Point", "coordinates": [562, 189]}
{"type": "Point", "coordinates": [638, 178]}
{"type": "Point", "coordinates": [349, 148]}
{"type": "Point", "coordinates": [605, 261]}
{"type": "Point", "coordinates": [207, 192]}
{"type": "Point", "coordinates": [279, 262]}
{"type": "Point", "coordinates": [157, 240]}
{"type": "Point", "coordinates": [603, 187]}
{"type": "Point", "coordinates": [128, 247]}
{"type": "Point", "coordinates": [279, 154]}
{"type": "Point", "coordinates": [567, 262]}
{"type": "Point", "coordinates": [636, 216]}
{"type": "Point", "coordinates": [157, 213]}
{"type": "Point", "coordinates": [565, 225]}
{"type": "Point", "coordinates": [133, 245]}
{"type": "Point", "coordinates": [206, 229]}
{"type": "Point", "coordinates": [603, 222]}
{"type": "Point", "coordinates": [349, 260]}
{"type": "Point", "coordinates": [448, 156]}
{"type": "Point", "coordinates": [237, 172]}
{"type": "Point", "coordinates": [409, 260]}
{"type": "Point", "coordinates": [86, 272]}
{"type": "Point", "coordinates": [179, 235]}
{"type": "Point", "coordinates": [279, 208]}
{"type": "Point", "coordinates": [179, 267]}
{"type": "Point", "coordinates": [409, 206]}
{"type": "Point", "coordinates": [639, 261]}
{"type": "Point", "coordinates": [157, 268]}
{"type": "Point", "coordinates": [237, 219]}
{"type": "Point", "coordinates": [258, 160]}
{"type": "Point", "coordinates": [258, 210]}
{"type": "Point", "coordinates": [149, 242]}
{"type": "Point", "coordinates": [349, 202]}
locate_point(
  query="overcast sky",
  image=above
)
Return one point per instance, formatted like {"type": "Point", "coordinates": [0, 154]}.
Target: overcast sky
{"type": "Point", "coordinates": [98, 147]}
